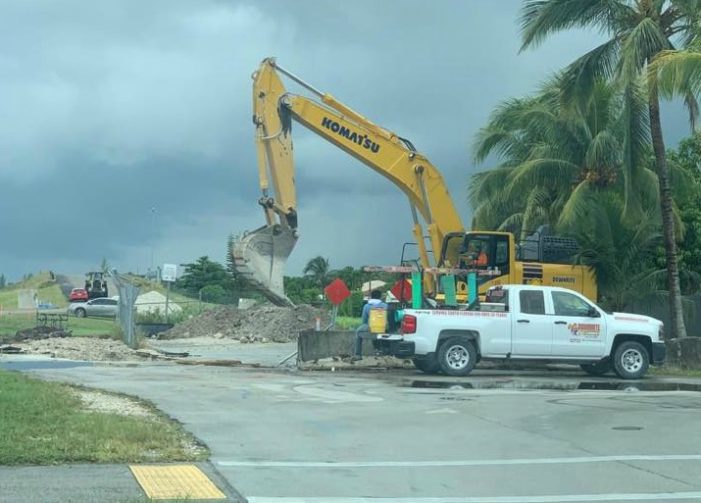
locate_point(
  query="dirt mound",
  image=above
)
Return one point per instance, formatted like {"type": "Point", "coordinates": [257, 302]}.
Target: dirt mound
{"type": "Point", "coordinates": [257, 324]}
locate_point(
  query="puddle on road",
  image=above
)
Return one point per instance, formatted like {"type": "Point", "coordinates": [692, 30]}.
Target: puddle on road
{"type": "Point", "coordinates": [42, 365]}
{"type": "Point", "coordinates": [555, 385]}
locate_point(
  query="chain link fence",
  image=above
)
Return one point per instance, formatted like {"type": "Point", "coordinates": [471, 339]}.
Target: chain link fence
{"type": "Point", "coordinates": [126, 315]}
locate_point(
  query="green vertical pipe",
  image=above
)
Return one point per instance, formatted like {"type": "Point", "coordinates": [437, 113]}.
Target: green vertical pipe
{"type": "Point", "coordinates": [471, 287]}
{"type": "Point", "coordinates": [448, 284]}
{"type": "Point", "coordinates": [416, 290]}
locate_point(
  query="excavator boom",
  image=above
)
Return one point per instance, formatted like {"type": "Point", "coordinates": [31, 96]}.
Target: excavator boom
{"type": "Point", "coordinates": [260, 255]}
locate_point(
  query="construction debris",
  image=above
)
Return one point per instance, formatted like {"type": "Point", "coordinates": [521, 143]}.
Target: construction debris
{"type": "Point", "coordinates": [80, 348]}
{"type": "Point", "coordinates": [367, 363]}
{"type": "Point", "coordinates": [10, 350]}
{"type": "Point", "coordinates": [256, 324]}
{"type": "Point", "coordinates": [39, 333]}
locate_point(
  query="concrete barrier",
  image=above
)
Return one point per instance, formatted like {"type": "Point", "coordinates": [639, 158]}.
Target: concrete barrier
{"type": "Point", "coordinates": [313, 345]}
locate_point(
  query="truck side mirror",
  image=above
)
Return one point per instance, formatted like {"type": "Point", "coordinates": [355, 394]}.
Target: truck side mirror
{"type": "Point", "coordinates": [593, 313]}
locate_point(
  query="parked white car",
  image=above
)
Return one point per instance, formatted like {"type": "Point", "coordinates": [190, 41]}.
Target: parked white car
{"type": "Point", "coordinates": [524, 322]}
{"type": "Point", "coordinates": [102, 306]}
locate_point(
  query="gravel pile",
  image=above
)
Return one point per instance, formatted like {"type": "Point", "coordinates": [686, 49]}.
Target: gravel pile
{"type": "Point", "coordinates": [98, 401]}
{"type": "Point", "coordinates": [257, 324]}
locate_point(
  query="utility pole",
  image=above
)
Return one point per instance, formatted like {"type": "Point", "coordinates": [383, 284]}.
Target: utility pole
{"type": "Point", "coordinates": [153, 236]}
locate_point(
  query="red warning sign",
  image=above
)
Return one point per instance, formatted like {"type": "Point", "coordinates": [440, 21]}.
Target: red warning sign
{"type": "Point", "coordinates": [337, 291]}
{"type": "Point", "coordinates": [402, 290]}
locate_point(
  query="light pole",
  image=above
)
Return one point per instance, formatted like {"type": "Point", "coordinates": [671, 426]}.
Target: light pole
{"type": "Point", "coordinates": [153, 236]}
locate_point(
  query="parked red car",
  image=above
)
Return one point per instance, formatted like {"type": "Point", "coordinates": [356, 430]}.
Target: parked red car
{"type": "Point", "coordinates": [78, 295]}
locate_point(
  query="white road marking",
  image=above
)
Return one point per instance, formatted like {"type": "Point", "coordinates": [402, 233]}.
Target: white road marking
{"type": "Point", "coordinates": [466, 462]}
{"type": "Point", "coordinates": [561, 498]}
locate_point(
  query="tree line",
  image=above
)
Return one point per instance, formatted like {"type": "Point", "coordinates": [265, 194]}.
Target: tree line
{"type": "Point", "coordinates": [586, 155]}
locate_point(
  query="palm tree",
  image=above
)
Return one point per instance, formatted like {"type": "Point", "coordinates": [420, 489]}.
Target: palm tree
{"type": "Point", "coordinates": [554, 157]}
{"type": "Point", "coordinates": [639, 30]}
{"type": "Point", "coordinates": [318, 269]}
{"type": "Point", "coordinates": [621, 253]}
{"type": "Point", "coordinates": [679, 72]}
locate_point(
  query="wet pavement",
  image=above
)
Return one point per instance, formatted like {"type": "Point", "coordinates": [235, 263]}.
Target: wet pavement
{"type": "Point", "coordinates": [24, 364]}
{"type": "Point", "coordinates": [337, 437]}
{"type": "Point", "coordinates": [557, 385]}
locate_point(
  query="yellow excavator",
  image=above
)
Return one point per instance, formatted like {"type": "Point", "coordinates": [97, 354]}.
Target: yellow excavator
{"type": "Point", "coordinates": [260, 255]}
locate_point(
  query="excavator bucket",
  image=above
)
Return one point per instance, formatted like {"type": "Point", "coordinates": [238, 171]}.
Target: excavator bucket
{"type": "Point", "coordinates": [260, 256]}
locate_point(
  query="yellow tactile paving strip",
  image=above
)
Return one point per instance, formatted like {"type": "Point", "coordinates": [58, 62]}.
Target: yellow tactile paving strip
{"type": "Point", "coordinates": [161, 482]}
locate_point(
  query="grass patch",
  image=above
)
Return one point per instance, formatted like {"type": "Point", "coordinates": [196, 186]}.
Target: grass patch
{"type": "Point", "coordinates": [146, 285]}
{"type": "Point", "coordinates": [674, 372]}
{"type": "Point", "coordinates": [81, 327]}
{"type": "Point", "coordinates": [347, 322]}
{"type": "Point", "coordinates": [47, 291]}
{"type": "Point", "coordinates": [46, 423]}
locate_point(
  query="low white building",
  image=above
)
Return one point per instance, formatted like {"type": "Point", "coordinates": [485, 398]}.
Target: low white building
{"type": "Point", "coordinates": [153, 301]}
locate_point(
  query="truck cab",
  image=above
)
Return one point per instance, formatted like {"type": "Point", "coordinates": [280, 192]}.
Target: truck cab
{"type": "Point", "coordinates": [528, 322]}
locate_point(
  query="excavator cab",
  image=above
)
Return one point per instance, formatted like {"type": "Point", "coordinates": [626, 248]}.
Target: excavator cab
{"type": "Point", "coordinates": [485, 252]}
{"type": "Point", "coordinates": [488, 253]}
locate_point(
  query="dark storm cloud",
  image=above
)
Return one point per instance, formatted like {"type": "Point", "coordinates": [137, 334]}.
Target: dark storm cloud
{"type": "Point", "coordinates": [111, 108]}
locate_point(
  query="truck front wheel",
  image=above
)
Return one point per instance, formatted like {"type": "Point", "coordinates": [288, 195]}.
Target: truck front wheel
{"type": "Point", "coordinates": [427, 364]}
{"type": "Point", "coordinates": [631, 360]}
{"type": "Point", "coordinates": [457, 356]}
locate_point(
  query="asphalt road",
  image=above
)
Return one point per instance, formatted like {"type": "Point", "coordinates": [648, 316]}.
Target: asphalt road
{"type": "Point", "coordinates": [290, 437]}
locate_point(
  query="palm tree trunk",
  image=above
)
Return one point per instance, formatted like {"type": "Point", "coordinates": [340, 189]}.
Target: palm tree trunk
{"type": "Point", "coordinates": [670, 244]}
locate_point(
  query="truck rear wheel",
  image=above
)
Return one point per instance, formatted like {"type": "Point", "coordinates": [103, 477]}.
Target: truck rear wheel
{"type": "Point", "coordinates": [631, 360]}
{"type": "Point", "coordinates": [427, 364]}
{"type": "Point", "coordinates": [598, 368]}
{"type": "Point", "coordinates": [457, 356]}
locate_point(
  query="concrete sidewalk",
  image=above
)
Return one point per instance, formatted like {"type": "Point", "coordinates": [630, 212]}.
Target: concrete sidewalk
{"type": "Point", "coordinates": [86, 484]}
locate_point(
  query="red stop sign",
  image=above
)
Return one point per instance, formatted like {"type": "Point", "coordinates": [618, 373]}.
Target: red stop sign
{"type": "Point", "coordinates": [337, 291]}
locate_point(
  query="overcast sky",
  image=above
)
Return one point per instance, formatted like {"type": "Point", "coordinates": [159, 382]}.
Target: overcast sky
{"type": "Point", "coordinates": [110, 109]}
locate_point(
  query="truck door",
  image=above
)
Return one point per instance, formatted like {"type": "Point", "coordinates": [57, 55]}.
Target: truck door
{"type": "Point", "coordinates": [531, 333]}
{"type": "Point", "coordinates": [578, 328]}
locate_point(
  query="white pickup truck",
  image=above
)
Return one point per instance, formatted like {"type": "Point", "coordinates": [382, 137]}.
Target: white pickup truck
{"type": "Point", "coordinates": [526, 322]}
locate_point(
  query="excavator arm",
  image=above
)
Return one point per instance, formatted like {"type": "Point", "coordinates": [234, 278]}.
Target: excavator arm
{"type": "Point", "coordinates": [260, 255]}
